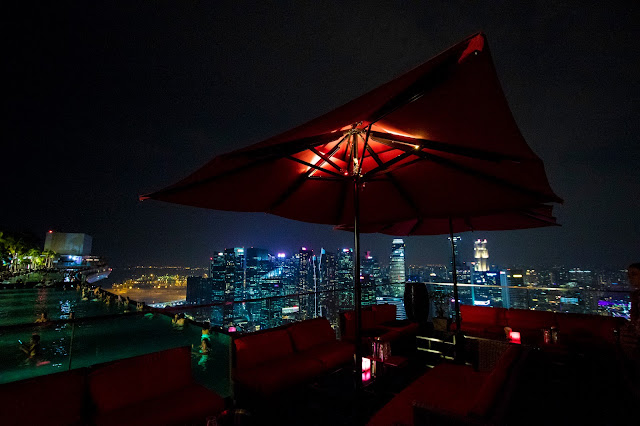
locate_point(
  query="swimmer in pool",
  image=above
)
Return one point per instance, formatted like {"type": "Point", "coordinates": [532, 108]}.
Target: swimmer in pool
{"type": "Point", "coordinates": [42, 318]}
{"type": "Point", "coordinates": [178, 320]}
{"type": "Point", "coordinates": [31, 349]}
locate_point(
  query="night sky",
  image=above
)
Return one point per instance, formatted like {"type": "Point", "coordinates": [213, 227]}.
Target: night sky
{"type": "Point", "coordinates": [106, 102]}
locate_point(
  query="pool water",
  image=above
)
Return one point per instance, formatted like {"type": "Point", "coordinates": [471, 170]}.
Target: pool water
{"type": "Point", "coordinates": [23, 306]}
{"type": "Point", "coordinates": [93, 341]}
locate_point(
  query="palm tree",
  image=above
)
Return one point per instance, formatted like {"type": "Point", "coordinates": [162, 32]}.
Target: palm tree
{"type": "Point", "coordinates": [49, 255]}
{"type": "Point", "coordinates": [15, 248]}
{"type": "Point", "coordinates": [35, 259]}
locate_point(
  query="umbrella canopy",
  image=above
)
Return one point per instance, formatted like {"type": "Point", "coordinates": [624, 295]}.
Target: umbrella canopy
{"type": "Point", "coordinates": [437, 141]}
{"type": "Point", "coordinates": [534, 217]}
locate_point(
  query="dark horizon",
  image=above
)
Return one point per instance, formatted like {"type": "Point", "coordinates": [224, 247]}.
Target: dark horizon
{"type": "Point", "coordinates": [106, 102]}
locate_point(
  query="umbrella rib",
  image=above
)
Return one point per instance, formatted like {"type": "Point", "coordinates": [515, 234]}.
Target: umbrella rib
{"type": "Point", "coordinates": [415, 227]}
{"type": "Point", "coordinates": [306, 163]}
{"type": "Point", "coordinates": [272, 151]}
{"type": "Point", "coordinates": [289, 148]}
{"type": "Point", "coordinates": [404, 194]}
{"type": "Point", "coordinates": [449, 149]}
{"type": "Point", "coordinates": [298, 183]}
{"type": "Point", "coordinates": [414, 92]}
{"type": "Point", "coordinates": [325, 158]}
{"type": "Point", "coordinates": [385, 166]}
{"type": "Point", "coordinates": [469, 171]}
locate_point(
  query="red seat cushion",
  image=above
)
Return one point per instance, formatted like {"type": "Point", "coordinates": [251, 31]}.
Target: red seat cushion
{"type": "Point", "coordinates": [481, 315]}
{"type": "Point", "coordinates": [401, 329]}
{"type": "Point", "coordinates": [383, 313]}
{"type": "Point", "coordinates": [332, 354]}
{"type": "Point", "coordinates": [524, 319]}
{"type": "Point", "coordinates": [189, 405]}
{"type": "Point", "coordinates": [587, 328]}
{"type": "Point", "coordinates": [368, 322]}
{"type": "Point", "coordinates": [310, 333]}
{"type": "Point", "coordinates": [488, 394]}
{"type": "Point", "coordinates": [54, 399]}
{"type": "Point", "coordinates": [447, 386]}
{"type": "Point", "coordinates": [255, 349]}
{"type": "Point", "coordinates": [279, 374]}
{"type": "Point", "coordinates": [133, 380]}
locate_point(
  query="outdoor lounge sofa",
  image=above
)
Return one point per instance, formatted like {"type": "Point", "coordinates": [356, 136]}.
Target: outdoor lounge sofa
{"type": "Point", "coordinates": [273, 360]}
{"type": "Point", "coordinates": [149, 389]}
{"type": "Point", "coordinates": [456, 394]}
{"type": "Point", "coordinates": [573, 329]}
{"type": "Point", "coordinates": [378, 321]}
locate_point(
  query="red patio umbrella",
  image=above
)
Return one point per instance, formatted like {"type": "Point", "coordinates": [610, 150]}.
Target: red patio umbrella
{"type": "Point", "coordinates": [414, 147]}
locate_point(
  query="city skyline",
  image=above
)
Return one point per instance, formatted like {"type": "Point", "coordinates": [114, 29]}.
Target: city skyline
{"type": "Point", "coordinates": [105, 103]}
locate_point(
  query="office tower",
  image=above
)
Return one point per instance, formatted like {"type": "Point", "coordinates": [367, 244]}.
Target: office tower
{"type": "Point", "coordinates": [397, 270]}
{"type": "Point", "coordinates": [258, 265]}
{"type": "Point", "coordinates": [304, 270]}
{"type": "Point", "coordinates": [327, 264]}
{"type": "Point", "coordinates": [397, 274]}
{"type": "Point", "coordinates": [487, 289]}
{"type": "Point", "coordinates": [344, 274]}
{"type": "Point", "coordinates": [370, 277]}
{"type": "Point", "coordinates": [327, 271]}
{"type": "Point", "coordinates": [198, 290]}
{"type": "Point", "coordinates": [217, 269]}
{"type": "Point", "coordinates": [234, 274]}
{"type": "Point", "coordinates": [518, 298]}
{"type": "Point", "coordinates": [481, 255]}
{"type": "Point", "coordinates": [344, 269]}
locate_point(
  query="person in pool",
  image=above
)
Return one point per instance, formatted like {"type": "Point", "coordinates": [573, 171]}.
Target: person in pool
{"type": "Point", "coordinates": [31, 349]}
{"type": "Point", "coordinates": [43, 317]}
{"type": "Point", "coordinates": [178, 320]}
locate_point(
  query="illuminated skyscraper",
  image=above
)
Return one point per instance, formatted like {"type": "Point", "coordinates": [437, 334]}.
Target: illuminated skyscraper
{"type": "Point", "coordinates": [234, 274]}
{"type": "Point", "coordinates": [481, 255]}
{"type": "Point", "coordinates": [217, 269]}
{"type": "Point", "coordinates": [304, 269]}
{"type": "Point", "coordinates": [397, 273]}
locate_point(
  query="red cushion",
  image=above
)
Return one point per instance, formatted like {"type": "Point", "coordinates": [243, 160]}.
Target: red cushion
{"type": "Point", "coordinates": [488, 394]}
{"type": "Point", "coordinates": [447, 386]}
{"type": "Point", "coordinates": [523, 319]}
{"type": "Point", "coordinates": [279, 374]}
{"type": "Point", "coordinates": [332, 354]}
{"type": "Point", "coordinates": [384, 313]}
{"type": "Point", "coordinates": [133, 380]}
{"type": "Point", "coordinates": [310, 333]}
{"type": "Point", "coordinates": [481, 314]}
{"type": "Point", "coordinates": [255, 349]}
{"type": "Point", "coordinates": [587, 327]}
{"type": "Point", "coordinates": [368, 322]}
{"type": "Point", "coordinates": [190, 405]}
{"type": "Point", "coordinates": [54, 399]}
{"type": "Point", "coordinates": [408, 329]}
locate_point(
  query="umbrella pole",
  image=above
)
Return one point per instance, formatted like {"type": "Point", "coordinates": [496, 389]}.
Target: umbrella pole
{"type": "Point", "coordinates": [454, 274]}
{"type": "Point", "coordinates": [356, 279]}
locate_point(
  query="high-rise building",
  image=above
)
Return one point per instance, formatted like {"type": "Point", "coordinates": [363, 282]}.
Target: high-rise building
{"type": "Point", "coordinates": [234, 275]}
{"type": "Point", "coordinates": [258, 264]}
{"type": "Point", "coordinates": [489, 289]}
{"type": "Point", "coordinates": [198, 290]}
{"type": "Point", "coordinates": [397, 271]}
{"type": "Point", "coordinates": [481, 255]}
{"type": "Point", "coordinates": [304, 270]}
{"type": "Point", "coordinates": [344, 270]}
{"type": "Point", "coordinates": [217, 269]}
